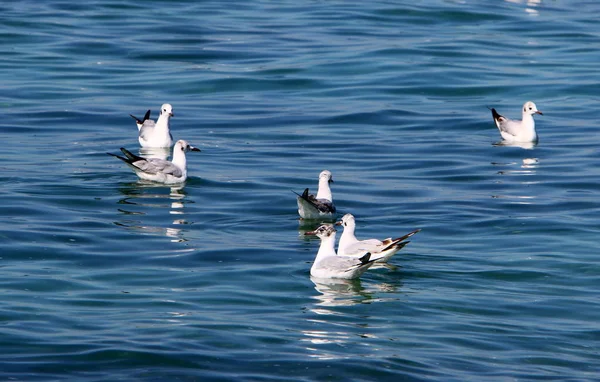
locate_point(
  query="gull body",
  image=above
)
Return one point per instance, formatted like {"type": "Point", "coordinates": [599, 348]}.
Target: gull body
{"type": "Point", "coordinates": [328, 265]}
{"type": "Point", "coordinates": [518, 131]}
{"type": "Point", "coordinates": [160, 170]}
{"type": "Point", "coordinates": [321, 205]}
{"type": "Point", "coordinates": [155, 134]}
{"type": "Point", "coordinates": [381, 250]}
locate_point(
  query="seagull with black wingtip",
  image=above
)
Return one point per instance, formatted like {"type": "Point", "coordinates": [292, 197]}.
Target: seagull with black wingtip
{"type": "Point", "coordinates": [518, 131]}
{"type": "Point", "coordinates": [160, 170]}
{"type": "Point", "coordinates": [155, 134]}
{"type": "Point", "coordinates": [328, 265]}
{"type": "Point", "coordinates": [321, 205]}
{"type": "Point", "coordinates": [381, 250]}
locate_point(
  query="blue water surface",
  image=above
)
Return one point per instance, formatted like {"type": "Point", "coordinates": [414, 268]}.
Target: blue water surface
{"type": "Point", "coordinates": [107, 278]}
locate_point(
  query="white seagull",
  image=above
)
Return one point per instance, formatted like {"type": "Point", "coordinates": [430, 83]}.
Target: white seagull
{"type": "Point", "coordinates": [315, 207]}
{"type": "Point", "coordinates": [518, 131]}
{"type": "Point", "coordinates": [155, 134]}
{"type": "Point", "coordinates": [381, 251]}
{"type": "Point", "coordinates": [160, 170]}
{"type": "Point", "coordinates": [328, 265]}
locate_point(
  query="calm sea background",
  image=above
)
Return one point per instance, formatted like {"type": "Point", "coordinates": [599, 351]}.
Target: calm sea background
{"type": "Point", "coordinates": [107, 278]}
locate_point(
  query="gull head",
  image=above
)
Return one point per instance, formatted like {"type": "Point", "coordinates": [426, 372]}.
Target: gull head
{"type": "Point", "coordinates": [183, 146]}
{"type": "Point", "coordinates": [166, 108]}
{"type": "Point", "coordinates": [326, 174]}
{"type": "Point", "coordinates": [324, 231]}
{"type": "Point", "coordinates": [531, 109]}
{"type": "Point", "coordinates": [347, 220]}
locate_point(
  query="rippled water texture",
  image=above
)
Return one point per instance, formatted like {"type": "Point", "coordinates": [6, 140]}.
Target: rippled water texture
{"type": "Point", "coordinates": [107, 278]}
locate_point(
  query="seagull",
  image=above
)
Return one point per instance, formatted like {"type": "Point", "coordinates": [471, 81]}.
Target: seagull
{"type": "Point", "coordinates": [328, 265]}
{"type": "Point", "coordinates": [518, 131]}
{"type": "Point", "coordinates": [314, 207]}
{"type": "Point", "coordinates": [155, 134]}
{"type": "Point", "coordinates": [160, 170]}
{"type": "Point", "coordinates": [381, 251]}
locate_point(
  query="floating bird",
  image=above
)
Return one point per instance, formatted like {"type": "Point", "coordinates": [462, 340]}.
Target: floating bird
{"type": "Point", "coordinates": [518, 131]}
{"type": "Point", "coordinates": [160, 170]}
{"type": "Point", "coordinates": [155, 134]}
{"type": "Point", "coordinates": [315, 207]}
{"type": "Point", "coordinates": [381, 251]}
{"type": "Point", "coordinates": [328, 265]}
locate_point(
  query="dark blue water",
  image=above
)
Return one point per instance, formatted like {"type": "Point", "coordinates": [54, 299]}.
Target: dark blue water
{"type": "Point", "coordinates": [107, 278]}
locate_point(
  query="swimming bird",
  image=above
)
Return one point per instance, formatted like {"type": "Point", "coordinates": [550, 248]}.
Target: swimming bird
{"type": "Point", "coordinates": [155, 134]}
{"type": "Point", "coordinates": [315, 207]}
{"type": "Point", "coordinates": [381, 251]}
{"type": "Point", "coordinates": [518, 131]}
{"type": "Point", "coordinates": [328, 265]}
{"type": "Point", "coordinates": [160, 170]}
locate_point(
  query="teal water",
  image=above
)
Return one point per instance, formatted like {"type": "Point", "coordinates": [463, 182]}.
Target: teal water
{"type": "Point", "coordinates": [107, 278]}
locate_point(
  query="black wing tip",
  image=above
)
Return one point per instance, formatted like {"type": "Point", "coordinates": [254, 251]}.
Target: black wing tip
{"type": "Point", "coordinates": [495, 114]}
{"type": "Point", "coordinates": [401, 238]}
{"type": "Point", "coordinates": [137, 120]}
{"type": "Point", "coordinates": [366, 258]}
{"type": "Point", "coordinates": [141, 121]}
{"type": "Point", "coordinates": [130, 156]}
{"type": "Point", "coordinates": [120, 157]}
{"type": "Point", "coordinates": [304, 194]}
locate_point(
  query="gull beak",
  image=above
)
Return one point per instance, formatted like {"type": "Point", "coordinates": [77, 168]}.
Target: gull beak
{"type": "Point", "coordinates": [339, 223]}
{"type": "Point", "coordinates": [539, 112]}
{"type": "Point", "coordinates": [171, 114]}
{"type": "Point", "coordinates": [331, 180]}
{"type": "Point", "coordinates": [310, 233]}
{"type": "Point", "coordinates": [192, 148]}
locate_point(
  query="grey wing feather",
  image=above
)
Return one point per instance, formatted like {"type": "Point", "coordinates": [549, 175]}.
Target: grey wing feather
{"type": "Point", "coordinates": [146, 129]}
{"type": "Point", "coordinates": [322, 205]}
{"type": "Point", "coordinates": [509, 126]}
{"type": "Point", "coordinates": [155, 166]}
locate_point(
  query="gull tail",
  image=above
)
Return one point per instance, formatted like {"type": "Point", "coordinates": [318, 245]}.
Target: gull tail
{"type": "Point", "coordinates": [365, 262]}
{"type": "Point", "coordinates": [137, 120]}
{"type": "Point", "coordinates": [307, 198]}
{"type": "Point", "coordinates": [301, 196]}
{"type": "Point", "coordinates": [365, 259]}
{"type": "Point", "coordinates": [140, 122]}
{"type": "Point", "coordinates": [497, 117]}
{"type": "Point", "coordinates": [406, 236]}
{"type": "Point", "coordinates": [130, 156]}
{"type": "Point", "coordinates": [120, 157]}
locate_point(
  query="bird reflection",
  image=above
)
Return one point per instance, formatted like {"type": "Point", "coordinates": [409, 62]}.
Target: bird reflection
{"type": "Point", "coordinates": [305, 225]}
{"type": "Point", "coordinates": [338, 327]}
{"type": "Point", "coordinates": [525, 168]}
{"type": "Point", "coordinates": [531, 5]}
{"type": "Point", "coordinates": [141, 196]}
{"type": "Point", "coordinates": [155, 152]}
{"type": "Point", "coordinates": [339, 292]}
{"type": "Point", "coordinates": [523, 145]}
